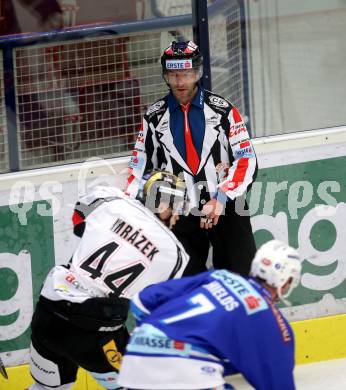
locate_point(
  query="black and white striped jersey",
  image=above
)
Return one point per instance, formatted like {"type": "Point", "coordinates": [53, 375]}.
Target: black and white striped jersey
{"type": "Point", "coordinates": [227, 160]}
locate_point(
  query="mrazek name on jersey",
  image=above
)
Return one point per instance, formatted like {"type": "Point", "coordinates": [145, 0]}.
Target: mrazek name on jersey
{"type": "Point", "coordinates": [135, 237]}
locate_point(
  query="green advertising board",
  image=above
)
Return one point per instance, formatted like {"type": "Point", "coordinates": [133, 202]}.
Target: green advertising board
{"type": "Point", "coordinates": [26, 255]}
{"type": "Point", "coordinates": [304, 205]}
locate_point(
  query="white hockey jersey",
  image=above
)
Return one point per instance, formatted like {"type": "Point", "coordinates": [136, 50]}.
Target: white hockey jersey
{"type": "Point", "coordinates": [124, 248]}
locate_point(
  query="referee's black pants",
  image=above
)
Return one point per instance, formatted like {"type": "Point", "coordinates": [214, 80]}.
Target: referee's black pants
{"type": "Point", "coordinates": [232, 241]}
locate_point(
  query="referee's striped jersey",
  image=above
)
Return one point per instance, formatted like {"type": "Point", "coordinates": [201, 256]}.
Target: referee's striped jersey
{"type": "Point", "coordinates": [226, 160]}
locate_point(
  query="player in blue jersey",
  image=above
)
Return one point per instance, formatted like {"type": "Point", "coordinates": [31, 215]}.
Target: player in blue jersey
{"type": "Point", "coordinates": [194, 331]}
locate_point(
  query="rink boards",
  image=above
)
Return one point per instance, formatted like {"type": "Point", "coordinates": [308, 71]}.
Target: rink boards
{"type": "Point", "coordinates": [299, 197]}
{"type": "Point", "coordinates": [316, 340]}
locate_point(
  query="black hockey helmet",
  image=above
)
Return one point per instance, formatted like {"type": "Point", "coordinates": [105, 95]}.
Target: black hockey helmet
{"type": "Point", "coordinates": [182, 56]}
{"type": "Point", "coordinates": [163, 187]}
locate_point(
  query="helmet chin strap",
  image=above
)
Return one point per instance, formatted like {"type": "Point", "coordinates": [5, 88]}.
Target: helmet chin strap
{"type": "Point", "coordinates": [283, 297]}
{"type": "Point", "coordinates": [276, 290]}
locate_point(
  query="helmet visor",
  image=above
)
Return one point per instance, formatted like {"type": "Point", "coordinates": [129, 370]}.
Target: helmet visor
{"type": "Point", "coordinates": [190, 75]}
{"type": "Point", "coordinates": [175, 198]}
{"type": "Point", "coordinates": [163, 188]}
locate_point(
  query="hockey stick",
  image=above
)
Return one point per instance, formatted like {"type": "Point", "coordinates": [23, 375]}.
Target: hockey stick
{"type": "Point", "coordinates": [3, 369]}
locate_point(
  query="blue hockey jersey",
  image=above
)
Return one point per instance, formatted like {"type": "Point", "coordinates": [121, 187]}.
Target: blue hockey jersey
{"type": "Point", "coordinates": [220, 320]}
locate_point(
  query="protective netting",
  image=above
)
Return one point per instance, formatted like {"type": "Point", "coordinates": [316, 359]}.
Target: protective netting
{"type": "Point", "coordinates": [84, 98]}
{"type": "Point", "coordinates": [4, 166]}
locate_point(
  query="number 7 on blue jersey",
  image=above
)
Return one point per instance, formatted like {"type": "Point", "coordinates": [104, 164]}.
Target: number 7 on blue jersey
{"type": "Point", "coordinates": [200, 305]}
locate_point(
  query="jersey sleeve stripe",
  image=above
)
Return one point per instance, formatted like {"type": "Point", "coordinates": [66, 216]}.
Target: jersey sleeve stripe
{"type": "Point", "coordinates": [240, 171]}
{"type": "Point", "coordinates": [77, 218]}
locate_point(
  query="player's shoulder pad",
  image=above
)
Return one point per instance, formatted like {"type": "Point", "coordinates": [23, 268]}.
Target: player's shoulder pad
{"type": "Point", "coordinates": [157, 108]}
{"type": "Point", "coordinates": [217, 102]}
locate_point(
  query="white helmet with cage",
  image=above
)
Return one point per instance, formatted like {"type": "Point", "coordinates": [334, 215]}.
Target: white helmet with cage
{"type": "Point", "coordinates": [276, 263]}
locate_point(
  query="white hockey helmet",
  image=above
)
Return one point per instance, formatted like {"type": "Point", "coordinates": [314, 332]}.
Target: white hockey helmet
{"type": "Point", "coordinates": [276, 263]}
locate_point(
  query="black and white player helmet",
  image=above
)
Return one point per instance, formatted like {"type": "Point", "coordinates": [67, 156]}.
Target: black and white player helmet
{"type": "Point", "coordinates": [163, 187]}
{"type": "Point", "coordinates": [182, 56]}
{"type": "Point", "coordinates": [275, 263]}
